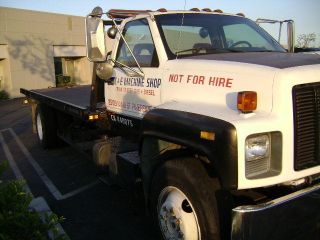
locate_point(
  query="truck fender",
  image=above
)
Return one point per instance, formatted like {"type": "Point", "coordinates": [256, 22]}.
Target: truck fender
{"type": "Point", "coordinates": [164, 129]}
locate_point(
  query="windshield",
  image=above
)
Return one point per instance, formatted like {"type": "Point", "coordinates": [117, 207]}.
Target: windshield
{"type": "Point", "coordinates": [193, 34]}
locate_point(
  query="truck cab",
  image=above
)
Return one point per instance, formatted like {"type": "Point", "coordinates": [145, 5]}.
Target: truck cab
{"type": "Point", "coordinates": [161, 47]}
{"type": "Point", "coordinates": [220, 66]}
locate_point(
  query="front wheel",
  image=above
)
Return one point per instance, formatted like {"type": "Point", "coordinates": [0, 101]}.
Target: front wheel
{"type": "Point", "coordinates": [183, 201]}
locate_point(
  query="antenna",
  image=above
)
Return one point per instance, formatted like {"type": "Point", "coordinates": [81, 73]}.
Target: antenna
{"type": "Point", "coordinates": [182, 22]}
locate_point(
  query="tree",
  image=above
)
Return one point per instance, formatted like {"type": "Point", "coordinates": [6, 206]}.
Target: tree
{"type": "Point", "coordinates": [305, 40]}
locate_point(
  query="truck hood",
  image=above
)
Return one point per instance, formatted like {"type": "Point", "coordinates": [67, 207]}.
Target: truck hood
{"type": "Point", "coordinates": [208, 84]}
{"type": "Point", "coordinates": [270, 59]}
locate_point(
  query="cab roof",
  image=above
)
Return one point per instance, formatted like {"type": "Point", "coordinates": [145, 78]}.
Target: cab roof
{"type": "Point", "coordinates": [123, 14]}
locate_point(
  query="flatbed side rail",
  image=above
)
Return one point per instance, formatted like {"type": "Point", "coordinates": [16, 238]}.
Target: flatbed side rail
{"type": "Point", "coordinates": [69, 108]}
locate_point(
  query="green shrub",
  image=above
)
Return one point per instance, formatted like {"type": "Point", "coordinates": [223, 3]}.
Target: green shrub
{"type": "Point", "coordinates": [17, 220]}
{"type": "Point", "coordinates": [64, 81]}
{"type": "Point", "coordinates": [3, 95]}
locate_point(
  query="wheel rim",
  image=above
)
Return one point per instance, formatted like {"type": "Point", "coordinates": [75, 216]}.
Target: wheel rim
{"type": "Point", "coordinates": [39, 127]}
{"type": "Point", "coordinates": [176, 215]}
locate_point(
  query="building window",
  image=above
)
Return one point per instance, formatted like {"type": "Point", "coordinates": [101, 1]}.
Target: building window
{"type": "Point", "coordinates": [64, 68]}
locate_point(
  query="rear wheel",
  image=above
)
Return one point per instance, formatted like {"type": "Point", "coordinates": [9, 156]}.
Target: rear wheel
{"type": "Point", "coordinates": [46, 126]}
{"type": "Point", "coordinates": [183, 201]}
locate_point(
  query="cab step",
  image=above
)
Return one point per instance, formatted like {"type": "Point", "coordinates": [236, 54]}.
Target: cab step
{"type": "Point", "coordinates": [128, 164]}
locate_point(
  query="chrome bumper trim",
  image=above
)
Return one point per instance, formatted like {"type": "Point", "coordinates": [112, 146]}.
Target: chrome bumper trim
{"type": "Point", "coordinates": [294, 216]}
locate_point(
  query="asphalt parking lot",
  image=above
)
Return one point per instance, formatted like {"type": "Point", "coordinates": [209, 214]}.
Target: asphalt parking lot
{"type": "Point", "coordinates": [69, 182]}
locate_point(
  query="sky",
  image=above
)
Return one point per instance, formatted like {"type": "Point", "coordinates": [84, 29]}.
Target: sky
{"type": "Point", "coordinates": [305, 13]}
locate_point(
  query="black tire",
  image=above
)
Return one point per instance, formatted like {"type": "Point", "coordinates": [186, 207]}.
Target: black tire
{"type": "Point", "coordinates": [185, 181]}
{"type": "Point", "coordinates": [46, 125]}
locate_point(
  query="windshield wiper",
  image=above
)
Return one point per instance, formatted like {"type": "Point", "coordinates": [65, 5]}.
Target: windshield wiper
{"type": "Point", "coordinates": [207, 50]}
{"type": "Point", "coordinates": [233, 50]}
{"type": "Point", "coordinates": [266, 51]}
{"type": "Point", "coordinates": [193, 50]}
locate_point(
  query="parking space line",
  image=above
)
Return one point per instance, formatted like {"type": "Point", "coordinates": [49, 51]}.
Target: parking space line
{"type": "Point", "coordinates": [79, 190]}
{"type": "Point", "coordinates": [46, 180]}
{"type": "Point", "coordinates": [13, 164]}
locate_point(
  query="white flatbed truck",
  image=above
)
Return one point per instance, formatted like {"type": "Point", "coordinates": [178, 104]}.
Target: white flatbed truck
{"type": "Point", "coordinates": [227, 121]}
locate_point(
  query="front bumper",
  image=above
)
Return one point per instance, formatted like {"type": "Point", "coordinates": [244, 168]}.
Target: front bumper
{"type": "Point", "coordinates": [294, 216]}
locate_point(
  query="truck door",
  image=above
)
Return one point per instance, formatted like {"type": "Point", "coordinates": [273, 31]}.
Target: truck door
{"type": "Point", "coordinates": [130, 94]}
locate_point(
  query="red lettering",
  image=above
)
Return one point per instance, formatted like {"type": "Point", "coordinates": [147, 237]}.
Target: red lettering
{"type": "Point", "coordinates": [212, 81]}
{"type": "Point", "coordinates": [221, 82]}
{"type": "Point", "coordinates": [189, 78]}
{"type": "Point", "coordinates": [201, 80]}
{"type": "Point", "coordinates": [149, 92]}
{"type": "Point", "coordinates": [180, 78]}
{"type": "Point", "coordinates": [175, 78]}
{"type": "Point", "coordinates": [195, 79]}
{"type": "Point", "coordinates": [229, 83]}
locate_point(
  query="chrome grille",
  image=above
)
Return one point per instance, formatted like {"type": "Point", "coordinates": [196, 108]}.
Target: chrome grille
{"type": "Point", "coordinates": [306, 104]}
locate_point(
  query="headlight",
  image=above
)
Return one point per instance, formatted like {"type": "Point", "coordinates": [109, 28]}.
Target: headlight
{"type": "Point", "coordinates": [263, 154]}
{"type": "Point", "coordinates": [257, 147]}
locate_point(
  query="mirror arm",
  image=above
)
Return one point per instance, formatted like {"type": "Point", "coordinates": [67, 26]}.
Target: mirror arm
{"type": "Point", "coordinates": [280, 30]}
{"type": "Point", "coordinates": [291, 35]}
{"type": "Point", "coordinates": [138, 65]}
{"type": "Point", "coordinates": [123, 66]}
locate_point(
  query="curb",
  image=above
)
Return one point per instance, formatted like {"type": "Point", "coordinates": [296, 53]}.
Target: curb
{"type": "Point", "coordinates": [40, 205]}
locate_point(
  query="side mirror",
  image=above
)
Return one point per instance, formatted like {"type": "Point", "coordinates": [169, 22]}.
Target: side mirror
{"type": "Point", "coordinates": [96, 48]}
{"type": "Point", "coordinates": [112, 32]}
{"type": "Point", "coordinates": [290, 36]}
{"type": "Point", "coordinates": [104, 70]}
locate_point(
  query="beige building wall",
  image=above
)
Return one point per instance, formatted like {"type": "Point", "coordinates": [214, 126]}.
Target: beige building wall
{"type": "Point", "coordinates": [32, 39]}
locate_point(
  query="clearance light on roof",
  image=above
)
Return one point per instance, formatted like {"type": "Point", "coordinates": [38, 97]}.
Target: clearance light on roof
{"type": "Point", "coordinates": [240, 14]}
{"type": "Point", "coordinates": [206, 9]}
{"type": "Point", "coordinates": [218, 11]}
{"type": "Point", "coordinates": [247, 101]}
{"type": "Point", "coordinates": [162, 10]}
{"type": "Point", "coordinates": [195, 9]}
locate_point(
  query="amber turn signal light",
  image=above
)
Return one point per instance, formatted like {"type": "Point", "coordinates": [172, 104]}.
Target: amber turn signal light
{"type": "Point", "coordinates": [208, 135]}
{"type": "Point", "coordinates": [247, 101]}
{"type": "Point", "coordinates": [93, 117]}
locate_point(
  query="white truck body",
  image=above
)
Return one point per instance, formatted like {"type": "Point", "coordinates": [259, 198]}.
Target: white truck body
{"type": "Point", "coordinates": [209, 87]}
